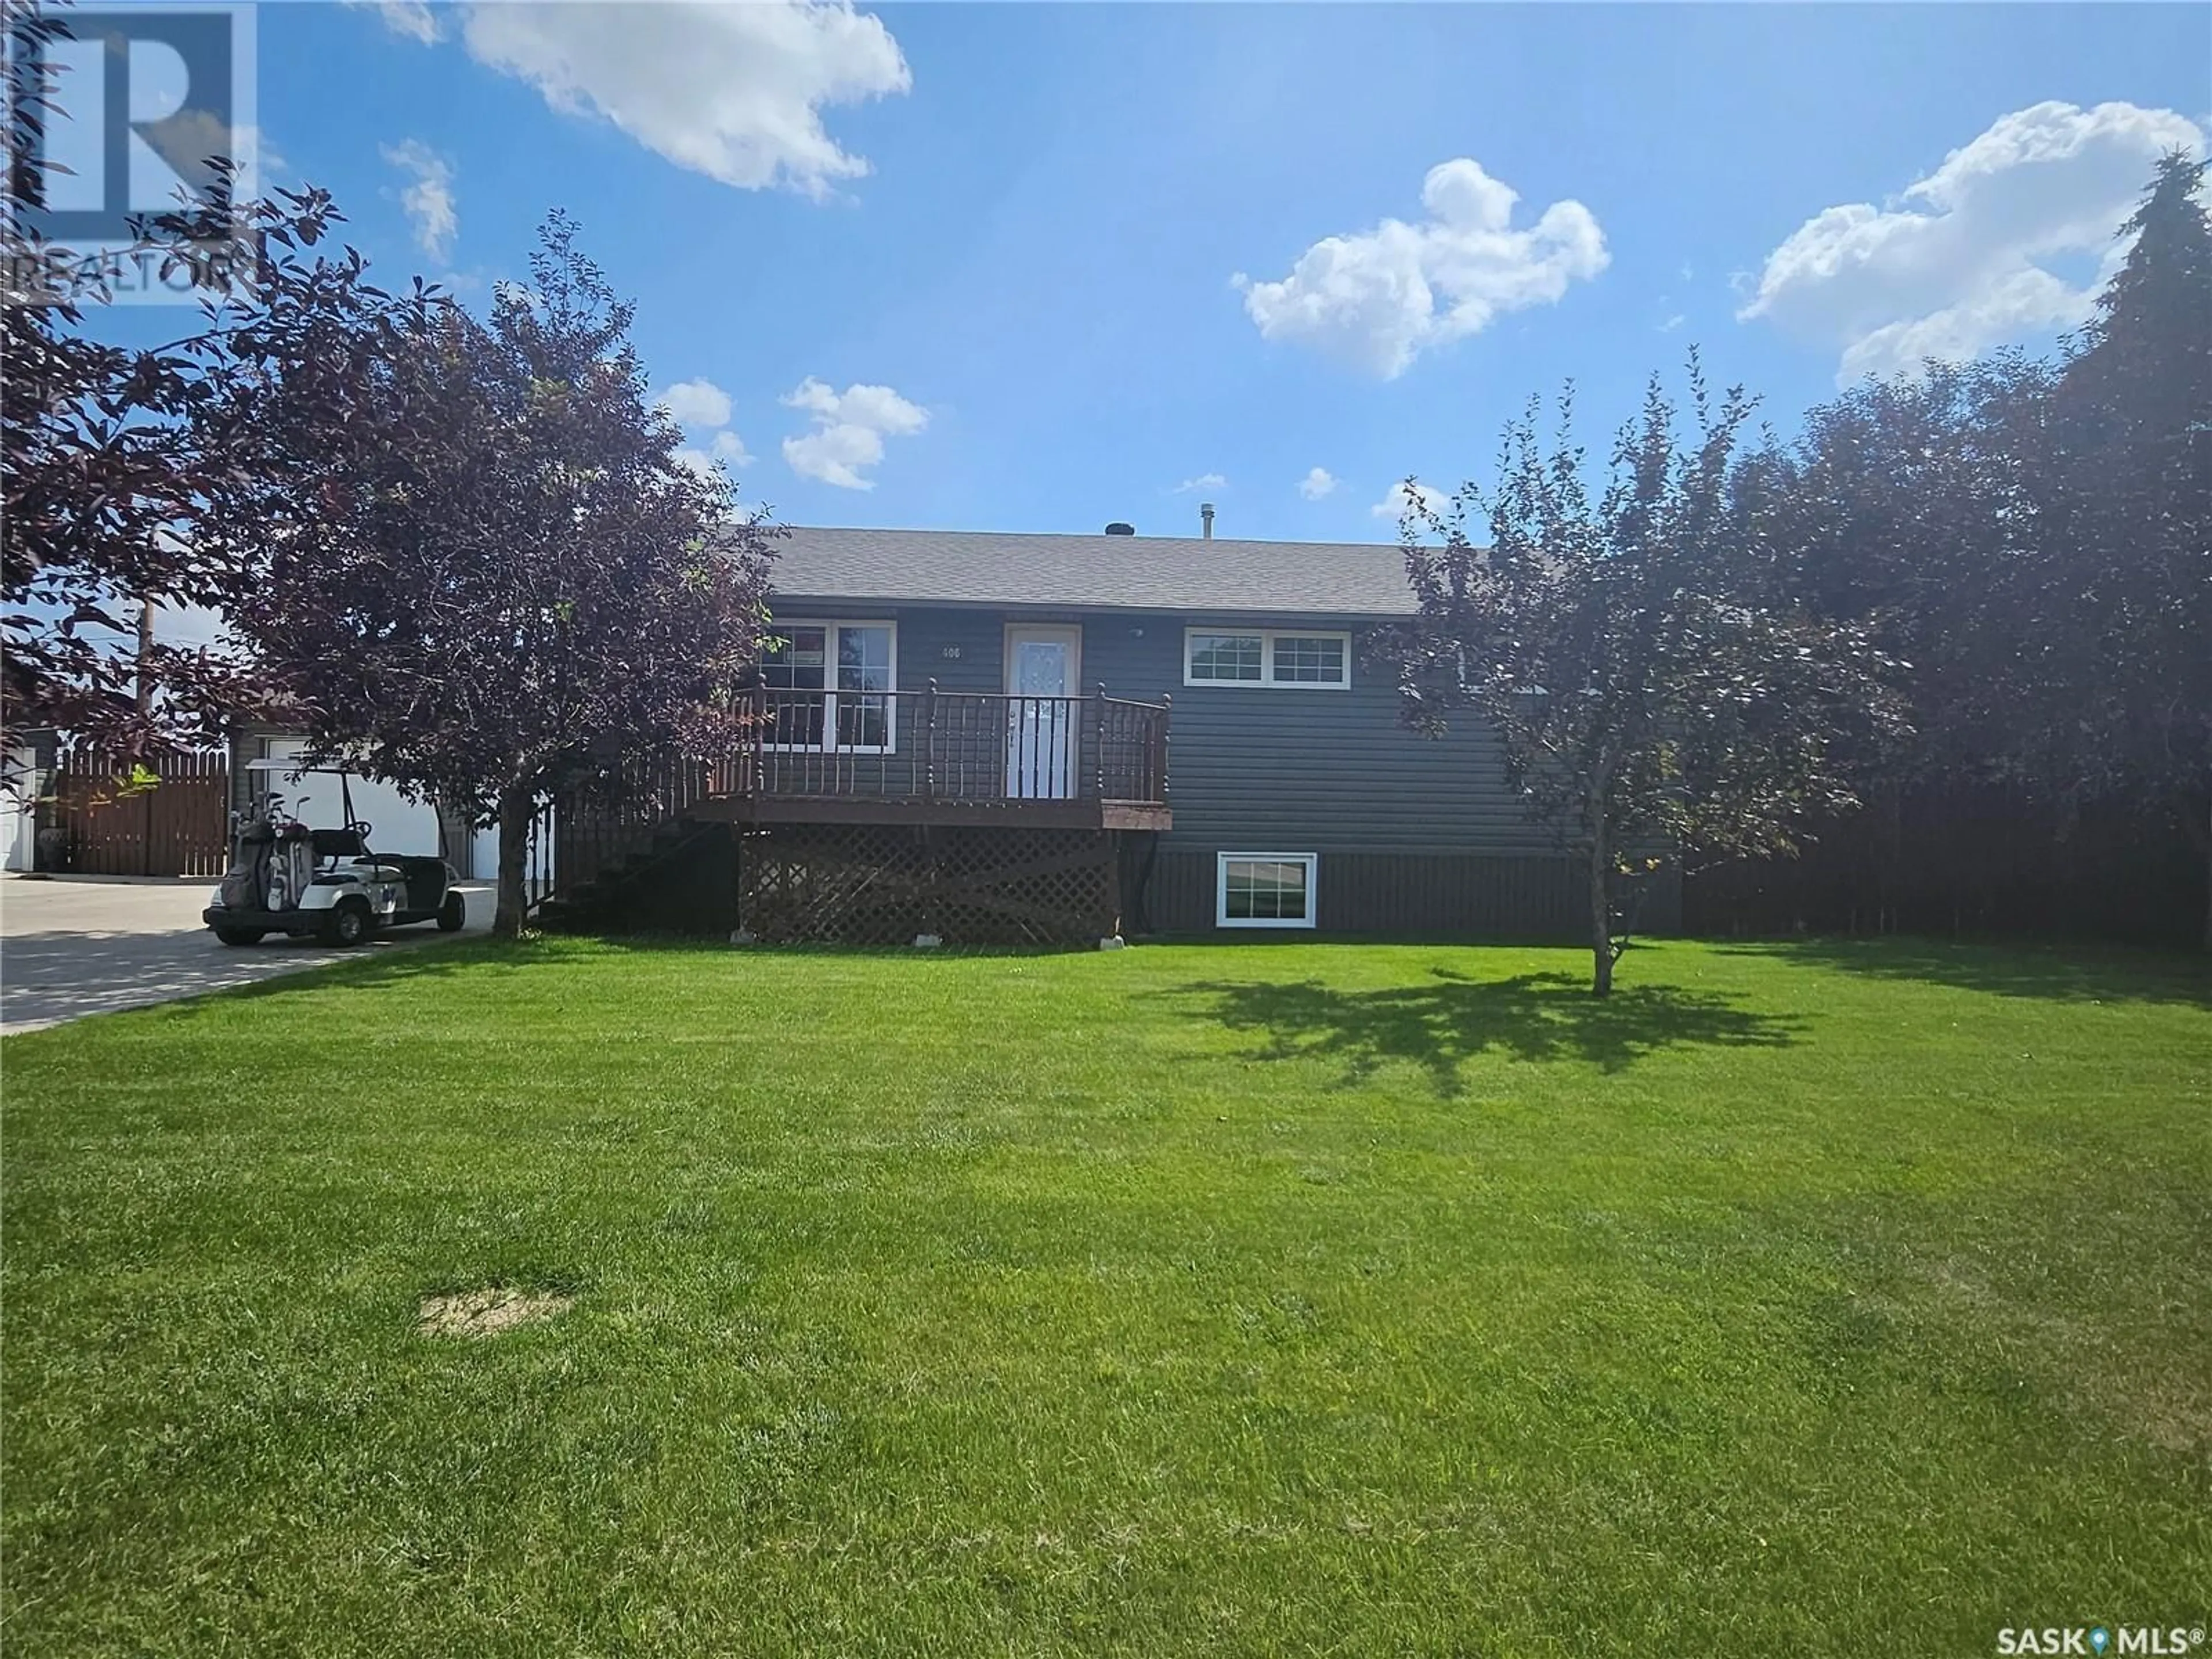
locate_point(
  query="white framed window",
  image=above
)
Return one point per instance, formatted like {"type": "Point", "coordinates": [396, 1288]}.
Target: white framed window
{"type": "Point", "coordinates": [1212, 657]}
{"type": "Point", "coordinates": [1316, 660]}
{"type": "Point", "coordinates": [832, 686]}
{"type": "Point", "coordinates": [1265, 890]}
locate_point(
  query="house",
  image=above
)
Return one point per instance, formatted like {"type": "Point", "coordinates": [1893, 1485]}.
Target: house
{"type": "Point", "coordinates": [1007, 737]}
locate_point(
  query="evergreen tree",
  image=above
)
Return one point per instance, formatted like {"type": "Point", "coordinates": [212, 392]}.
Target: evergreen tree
{"type": "Point", "coordinates": [2124, 582]}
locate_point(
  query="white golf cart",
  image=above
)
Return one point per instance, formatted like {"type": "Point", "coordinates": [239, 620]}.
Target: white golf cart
{"type": "Point", "coordinates": [285, 877]}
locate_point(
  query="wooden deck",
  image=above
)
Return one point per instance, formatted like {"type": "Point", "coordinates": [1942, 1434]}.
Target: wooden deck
{"type": "Point", "coordinates": [948, 757]}
{"type": "Point", "coordinates": [964, 759]}
{"type": "Point", "coordinates": [1077, 814]}
{"type": "Point", "coordinates": [954, 756]}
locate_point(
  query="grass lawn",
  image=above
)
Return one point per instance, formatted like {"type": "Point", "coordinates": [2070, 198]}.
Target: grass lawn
{"type": "Point", "coordinates": [1267, 1299]}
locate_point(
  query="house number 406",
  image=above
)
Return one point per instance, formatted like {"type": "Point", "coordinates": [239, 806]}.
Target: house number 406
{"type": "Point", "coordinates": [950, 651]}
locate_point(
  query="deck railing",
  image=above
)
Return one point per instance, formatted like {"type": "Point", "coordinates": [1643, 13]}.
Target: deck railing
{"type": "Point", "coordinates": [934, 745]}
{"type": "Point", "coordinates": [928, 746]}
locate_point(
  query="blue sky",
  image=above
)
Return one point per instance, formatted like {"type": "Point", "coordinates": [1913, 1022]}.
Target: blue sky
{"type": "Point", "coordinates": [982, 259]}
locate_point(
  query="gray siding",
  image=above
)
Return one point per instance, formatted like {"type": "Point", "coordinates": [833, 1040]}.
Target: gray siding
{"type": "Point", "coordinates": [1261, 769]}
{"type": "Point", "coordinates": [1419, 896]}
{"type": "Point", "coordinates": [1410, 894]}
{"type": "Point", "coordinates": [1331, 771]}
{"type": "Point", "coordinates": [924, 636]}
{"type": "Point", "coordinates": [1416, 836]}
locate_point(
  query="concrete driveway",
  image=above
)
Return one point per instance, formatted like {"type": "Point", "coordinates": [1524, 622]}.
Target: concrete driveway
{"type": "Point", "coordinates": [77, 946]}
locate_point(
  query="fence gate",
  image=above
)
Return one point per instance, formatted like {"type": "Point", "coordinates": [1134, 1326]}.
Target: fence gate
{"type": "Point", "coordinates": [180, 826]}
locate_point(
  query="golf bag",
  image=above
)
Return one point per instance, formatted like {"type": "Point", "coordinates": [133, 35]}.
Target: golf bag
{"type": "Point", "coordinates": [272, 863]}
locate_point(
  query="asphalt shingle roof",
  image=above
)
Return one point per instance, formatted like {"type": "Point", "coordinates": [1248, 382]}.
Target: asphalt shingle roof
{"type": "Point", "coordinates": [1137, 573]}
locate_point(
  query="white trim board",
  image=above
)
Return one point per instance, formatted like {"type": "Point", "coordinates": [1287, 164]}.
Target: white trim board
{"type": "Point", "coordinates": [830, 691]}
{"type": "Point", "coordinates": [1267, 638]}
{"type": "Point", "coordinates": [1222, 860]}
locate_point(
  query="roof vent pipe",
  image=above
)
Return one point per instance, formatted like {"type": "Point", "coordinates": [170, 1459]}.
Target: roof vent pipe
{"type": "Point", "coordinates": [1117, 528]}
{"type": "Point", "coordinates": [1206, 519]}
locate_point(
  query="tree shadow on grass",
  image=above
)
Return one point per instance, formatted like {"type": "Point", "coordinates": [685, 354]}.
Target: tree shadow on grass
{"type": "Point", "coordinates": [285, 968]}
{"type": "Point", "coordinates": [678, 944]}
{"type": "Point", "coordinates": [2051, 973]}
{"type": "Point", "coordinates": [197, 976]}
{"type": "Point", "coordinates": [1441, 1026]}
{"type": "Point", "coordinates": [386, 961]}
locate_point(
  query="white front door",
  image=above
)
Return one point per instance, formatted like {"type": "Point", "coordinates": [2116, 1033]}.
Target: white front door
{"type": "Point", "coordinates": [1044, 664]}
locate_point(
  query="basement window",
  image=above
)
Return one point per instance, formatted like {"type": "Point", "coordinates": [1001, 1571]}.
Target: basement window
{"type": "Point", "coordinates": [1267, 656]}
{"type": "Point", "coordinates": [1264, 889]}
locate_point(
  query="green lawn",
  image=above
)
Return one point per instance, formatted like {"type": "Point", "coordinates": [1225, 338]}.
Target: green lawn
{"type": "Point", "coordinates": [1268, 1299]}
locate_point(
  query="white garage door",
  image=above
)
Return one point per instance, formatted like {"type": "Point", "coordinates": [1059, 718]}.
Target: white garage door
{"type": "Point", "coordinates": [18, 823]}
{"type": "Point", "coordinates": [396, 825]}
{"type": "Point", "coordinates": [485, 854]}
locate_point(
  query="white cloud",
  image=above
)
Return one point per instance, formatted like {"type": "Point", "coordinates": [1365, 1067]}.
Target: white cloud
{"type": "Point", "coordinates": [727, 448]}
{"type": "Point", "coordinates": [849, 429]}
{"type": "Point", "coordinates": [1379, 298]}
{"type": "Point", "coordinates": [192, 628]}
{"type": "Point", "coordinates": [1203, 481]}
{"type": "Point", "coordinates": [191, 138]}
{"type": "Point", "coordinates": [1402, 497]}
{"type": "Point", "coordinates": [732, 90]}
{"type": "Point", "coordinates": [1958, 262]}
{"type": "Point", "coordinates": [1672, 323]}
{"type": "Point", "coordinates": [696, 403]}
{"type": "Point", "coordinates": [412, 18]}
{"type": "Point", "coordinates": [1317, 484]}
{"type": "Point", "coordinates": [701, 406]}
{"type": "Point", "coordinates": [2016, 306]}
{"type": "Point", "coordinates": [429, 199]}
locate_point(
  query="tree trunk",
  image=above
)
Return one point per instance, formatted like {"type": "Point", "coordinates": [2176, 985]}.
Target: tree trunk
{"type": "Point", "coordinates": [1597, 810]}
{"type": "Point", "coordinates": [515, 802]}
{"type": "Point", "coordinates": [1601, 898]}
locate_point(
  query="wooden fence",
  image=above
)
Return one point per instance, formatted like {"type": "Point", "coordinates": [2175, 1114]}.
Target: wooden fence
{"type": "Point", "coordinates": [1972, 860]}
{"type": "Point", "coordinates": [96, 822]}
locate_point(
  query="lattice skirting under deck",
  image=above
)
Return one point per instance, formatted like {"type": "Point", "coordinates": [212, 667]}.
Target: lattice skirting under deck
{"type": "Point", "coordinates": [886, 884]}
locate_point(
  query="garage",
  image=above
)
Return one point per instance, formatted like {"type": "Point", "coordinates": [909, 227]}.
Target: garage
{"type": "Point", "coordinates": [396, 825]}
